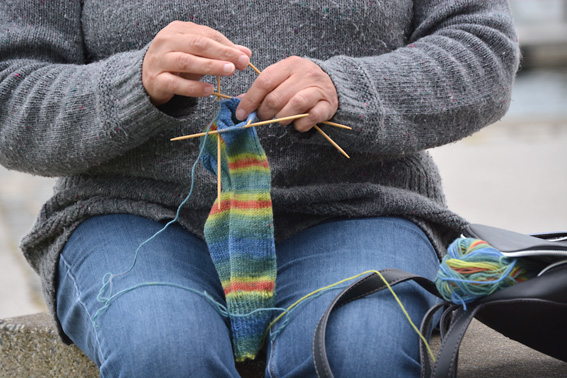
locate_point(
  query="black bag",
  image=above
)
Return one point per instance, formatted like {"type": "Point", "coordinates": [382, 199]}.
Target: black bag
{"type": "Point", "coordinates": [533, 312]}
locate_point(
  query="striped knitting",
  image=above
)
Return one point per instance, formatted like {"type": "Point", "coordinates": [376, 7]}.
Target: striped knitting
{"type": "Point", "coordinates": [240, 235]}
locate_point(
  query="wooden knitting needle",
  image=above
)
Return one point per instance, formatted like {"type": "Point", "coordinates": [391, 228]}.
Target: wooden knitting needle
{"type": "Point", "coordinates": [331, 141]}
{"type": "Point", "coordinates": [218, 84]}
{"type": "Point", "coordinates": [254, 68]}
{"type": "Point", "coordinates": [336, 125]}
{"type": "Point", "coordinates": [219, 183]}
{"type": "Point", "coordinates": [220, 95]}
{"type": "Point", "coordinates": [247, 125]}
{"type": "Point", "coordinates": [219, 170]}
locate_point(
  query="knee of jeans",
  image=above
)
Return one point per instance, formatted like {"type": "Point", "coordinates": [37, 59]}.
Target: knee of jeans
{"type": "Point", "coordinates": [367, 340]}
{"type": "Point", "coordinates": [174, 353]}
{"type": "Point", "coordinates": [160, 330]}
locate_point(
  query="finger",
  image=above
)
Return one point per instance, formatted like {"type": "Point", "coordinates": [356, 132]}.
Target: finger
{"type": "Point", "coordinates": [188, 76]}
{"type": "Point", "coordinates": [277, 99]}
{"type": "Point", "coordinates": [168, 84]}
{"type": "Point", "coordinates": [191, 28]}
{"type": "Point", "coordinates": [265, 83]}
{"type": "Point", "coordinates": [308, 101]}
{"type": "Point", "coordinates": [209, 48]}
{"type": "Point", "coordinates": [245, 50]}
{"type": "Point", "coordinates": [195, 65]}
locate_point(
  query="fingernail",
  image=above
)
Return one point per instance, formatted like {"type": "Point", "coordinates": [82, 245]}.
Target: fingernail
{"type": "Point", "coordinates": [241, 114]}
{"type": "Point", "coordinates": [208, 90]}
{"type": "Point", "coordinates": [228, 68]}
{"type": "Point", "coordinates": [243, 61]}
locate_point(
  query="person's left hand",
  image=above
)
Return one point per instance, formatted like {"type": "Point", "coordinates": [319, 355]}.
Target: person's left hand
{"type": "Point", "coordinates": [289, 87]}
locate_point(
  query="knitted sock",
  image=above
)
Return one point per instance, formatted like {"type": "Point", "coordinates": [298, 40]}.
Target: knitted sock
{"type": "Point", "coordinates": [240, 235]}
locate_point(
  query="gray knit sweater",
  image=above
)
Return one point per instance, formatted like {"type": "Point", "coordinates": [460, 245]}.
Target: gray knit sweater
{"type": "Point", "coordinates": [410, 75]}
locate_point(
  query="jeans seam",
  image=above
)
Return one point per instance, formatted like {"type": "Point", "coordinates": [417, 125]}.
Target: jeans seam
{"type": "Point", "coordinates": [78, 291]}
{"type": "Point", "coordinates": [270, 365]}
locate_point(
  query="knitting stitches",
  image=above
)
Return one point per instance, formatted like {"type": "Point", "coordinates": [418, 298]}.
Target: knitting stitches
{"type": "Point", "coordinates": [240, 234]}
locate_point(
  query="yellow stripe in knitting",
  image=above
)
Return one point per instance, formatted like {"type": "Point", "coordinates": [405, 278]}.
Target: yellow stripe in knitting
{"type": "Point", "coordinates": [252, 212]}
{"type": "Point", "coordinates": [248, 279]}
{"type": "Point", "coordinates": [249, 294]}
{"type": "Point", "coordinates": [250, 169]}
{"type": "Point", "coordinates": [247, 196]}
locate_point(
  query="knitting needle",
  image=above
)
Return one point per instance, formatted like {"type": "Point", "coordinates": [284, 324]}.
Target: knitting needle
{"type": "Point", "coordinates": [220, 95]}
{"type": "Point", "coordinates": [219, 183]}
{"type": "Point", "coordinates": [254, 68]}
{"type": "Point", "coordinates": [219, 170]}
{"type": "Point", "coordinates": [247, 125]}
{"type": "Point", "coordinates": [331, 141]}
{"type": "Point", "coordinates": [336, 125]}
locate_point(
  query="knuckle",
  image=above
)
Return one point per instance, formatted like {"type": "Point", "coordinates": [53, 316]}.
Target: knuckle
{"type": "Point", "coordinates": [294, 59]}
{"type": "Point", "coordinates": [316, 115]}
{"type": "Point", "coordinates": [182, 62]}
{"type": "Point", "coordinates": [199, 43]}
{"type": "Point", "coordinates": [302, 126]}
{"type": "Point", "coordinates": [265, 81]}
{"type": "Point", "coordinates": [160, 38]}
{"type": "Point", "coordinates": [226, 54]}
{"type": "Point", "coordinates": [273, 101]}
{"type": "Point", "coordinates": [170, 85]}
{"type": "Point", "coordinates": [176, 24]}
{"type": "Point", "coordinates": [210, 66]}
{"type": "Point", "coordinates": [300, 101]}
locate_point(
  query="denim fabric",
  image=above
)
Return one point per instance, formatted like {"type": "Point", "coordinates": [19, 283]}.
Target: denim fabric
{"type": "Point", "coordinates": [165, 331]}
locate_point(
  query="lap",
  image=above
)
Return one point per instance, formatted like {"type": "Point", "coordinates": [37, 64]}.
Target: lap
{"type": "Point", "coordinates": [153, 324]}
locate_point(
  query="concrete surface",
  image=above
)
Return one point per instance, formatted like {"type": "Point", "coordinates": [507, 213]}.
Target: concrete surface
{"type": "Point", "coordinates": [30, 348]}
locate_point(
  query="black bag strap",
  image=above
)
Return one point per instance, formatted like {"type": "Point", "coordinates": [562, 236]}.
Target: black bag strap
{"type": "Point", "coordinates": [549, 288]}
{"type": "Point", "coordinates": [446, 361]}
{"type": "Point", "coordinates": [361, 288]}
{"type": "Point", "coordinates": [425, 329]}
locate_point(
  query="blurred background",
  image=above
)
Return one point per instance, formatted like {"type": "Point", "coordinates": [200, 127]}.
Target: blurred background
{"type": "Point", "coordinates": [512, 174]}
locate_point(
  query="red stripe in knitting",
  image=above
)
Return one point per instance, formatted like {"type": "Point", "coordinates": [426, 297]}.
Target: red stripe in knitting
{"type": "Point", "coordinates": [232, 203]}
{"type": "Point", "coordinates": [248, 162]}
{"type": "Point", "coordinates": [264, 286]}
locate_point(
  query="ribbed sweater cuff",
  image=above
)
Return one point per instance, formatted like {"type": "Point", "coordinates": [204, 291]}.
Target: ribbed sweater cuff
{"type": "Point", "coordinates": [358, 104]}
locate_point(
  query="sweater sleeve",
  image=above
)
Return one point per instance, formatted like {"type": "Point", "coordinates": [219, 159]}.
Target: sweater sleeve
{"type": "Point", "coordinates": [453, 77]}
{"type": "Point", "coordinates": [59, 113]}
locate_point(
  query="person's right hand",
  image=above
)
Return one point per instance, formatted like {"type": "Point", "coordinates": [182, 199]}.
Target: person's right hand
{"type": "Point", "coordinates": [181, 54]}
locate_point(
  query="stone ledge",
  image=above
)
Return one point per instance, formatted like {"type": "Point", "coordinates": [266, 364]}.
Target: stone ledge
{"type": "Point", "coordinates": [29, 347]}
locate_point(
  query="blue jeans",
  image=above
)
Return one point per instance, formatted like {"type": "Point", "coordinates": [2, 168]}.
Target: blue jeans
{"type": "Point", "coordinates": [165, 331]}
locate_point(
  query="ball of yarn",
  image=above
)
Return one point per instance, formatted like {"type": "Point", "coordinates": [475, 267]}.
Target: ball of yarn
{"type": "Point", "coordinates": [473, 269]}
